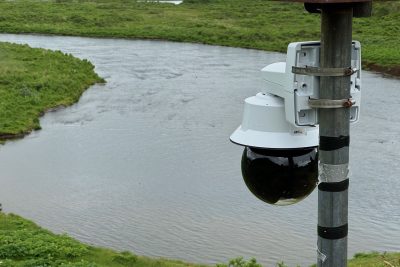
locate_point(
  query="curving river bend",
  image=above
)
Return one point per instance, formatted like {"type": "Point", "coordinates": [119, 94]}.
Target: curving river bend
{"type": "Point", "coordinates": [144, 162]}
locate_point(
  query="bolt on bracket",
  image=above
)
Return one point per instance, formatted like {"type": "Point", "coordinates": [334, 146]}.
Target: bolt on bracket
{"type": "Point", "coordinates": [330, 103]}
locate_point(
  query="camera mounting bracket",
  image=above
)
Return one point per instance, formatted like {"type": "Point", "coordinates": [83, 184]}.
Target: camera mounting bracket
{"type": "Point", "coordinates": [297, 81]}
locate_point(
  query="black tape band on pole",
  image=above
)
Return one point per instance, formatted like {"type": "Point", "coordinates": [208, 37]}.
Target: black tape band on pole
{"type": "Point", "coordinates": [328, 143]}
{"type": "Point", "coordinates": [333, 232]}
{"type": "Point", "coordinates": [334, 187]}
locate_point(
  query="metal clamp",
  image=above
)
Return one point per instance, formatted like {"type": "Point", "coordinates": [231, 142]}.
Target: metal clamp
{"type": "Point", "coordinates": [326, 72]}
{"type": "Point", "coordinates": [330, 103]}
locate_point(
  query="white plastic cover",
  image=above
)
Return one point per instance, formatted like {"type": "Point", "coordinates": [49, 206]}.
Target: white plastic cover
{"type": "Point", "coordinates": [264, 126]}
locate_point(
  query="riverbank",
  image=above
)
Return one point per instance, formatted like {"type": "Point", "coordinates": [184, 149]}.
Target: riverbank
{"type": "Point", "coordinates": [23, 243]}
{"type": "Point", "coordinates": [259, 24]}
{"type": "Point", "coordinates": [34, 81]}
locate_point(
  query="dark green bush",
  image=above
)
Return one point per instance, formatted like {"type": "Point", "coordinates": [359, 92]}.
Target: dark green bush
{"type": "Point", "coordinates": [125, 258]}
{"type": "Point", "coordinates": [240, 262]}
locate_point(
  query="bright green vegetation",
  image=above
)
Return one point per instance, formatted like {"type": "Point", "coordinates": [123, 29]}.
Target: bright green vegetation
{"type": "Point", "coordinates": [260, 24]}
{"type": "Point", "coordinates": [33, 81]}
{"type": "Point", "coordinates": [372, 259]}
{"type": "Point", "coordinates": [375, 259]}
{"type": "Point", "coordinates": [24, 244]}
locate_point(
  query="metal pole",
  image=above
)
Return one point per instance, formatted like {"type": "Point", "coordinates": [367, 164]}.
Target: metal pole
{"type": "Point", "coordinates": [336, 42]}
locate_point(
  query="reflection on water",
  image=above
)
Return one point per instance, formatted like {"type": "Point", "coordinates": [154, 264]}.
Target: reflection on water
{"type": "Point", "coordinates": [144, 162]}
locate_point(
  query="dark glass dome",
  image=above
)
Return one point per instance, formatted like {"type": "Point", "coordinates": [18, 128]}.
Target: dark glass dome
{"type": "Point", "coordinates": [280, 177]}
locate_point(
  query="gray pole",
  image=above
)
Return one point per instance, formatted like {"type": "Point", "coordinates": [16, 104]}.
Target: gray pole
{"type": "Point", "coordinates": [336, 42]}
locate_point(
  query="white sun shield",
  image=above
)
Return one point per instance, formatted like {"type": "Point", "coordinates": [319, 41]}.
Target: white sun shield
{"type": "Point", "coordinates": [264, 126]}
{"type": "Point", "coordinates": [298, 89]}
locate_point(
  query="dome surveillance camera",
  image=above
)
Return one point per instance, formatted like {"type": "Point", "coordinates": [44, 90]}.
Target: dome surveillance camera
{"type": "Point", "coordinates": [280, 130]}
{"type": "Point", "coordinates": [280, 176]}
{"type": "Point", "coordinates": [280, 161]}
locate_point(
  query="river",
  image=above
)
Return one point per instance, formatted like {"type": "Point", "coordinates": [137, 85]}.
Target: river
{"type": "Point", "coordinates": [144, 163]}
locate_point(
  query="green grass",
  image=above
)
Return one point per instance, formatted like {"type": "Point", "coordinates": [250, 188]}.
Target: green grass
{"type": "Point", "coordinates": [260, 24]}
{"type": "Point", "coordinates": [24, 244]}
{"type": "Point", "coordinates": [33, 81]}
{"type": "Point", "coordinates": [375, 259]}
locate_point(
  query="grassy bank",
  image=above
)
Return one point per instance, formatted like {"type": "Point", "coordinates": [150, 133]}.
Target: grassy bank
{"type": "Point", "coordinates": [24, 244]}
{"type": "Point", "coordinates": [33, 81]}
{"type": "Point", "coordinates": [375, 259]}
{"type": "Point", "coordinates": [260, 24]}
